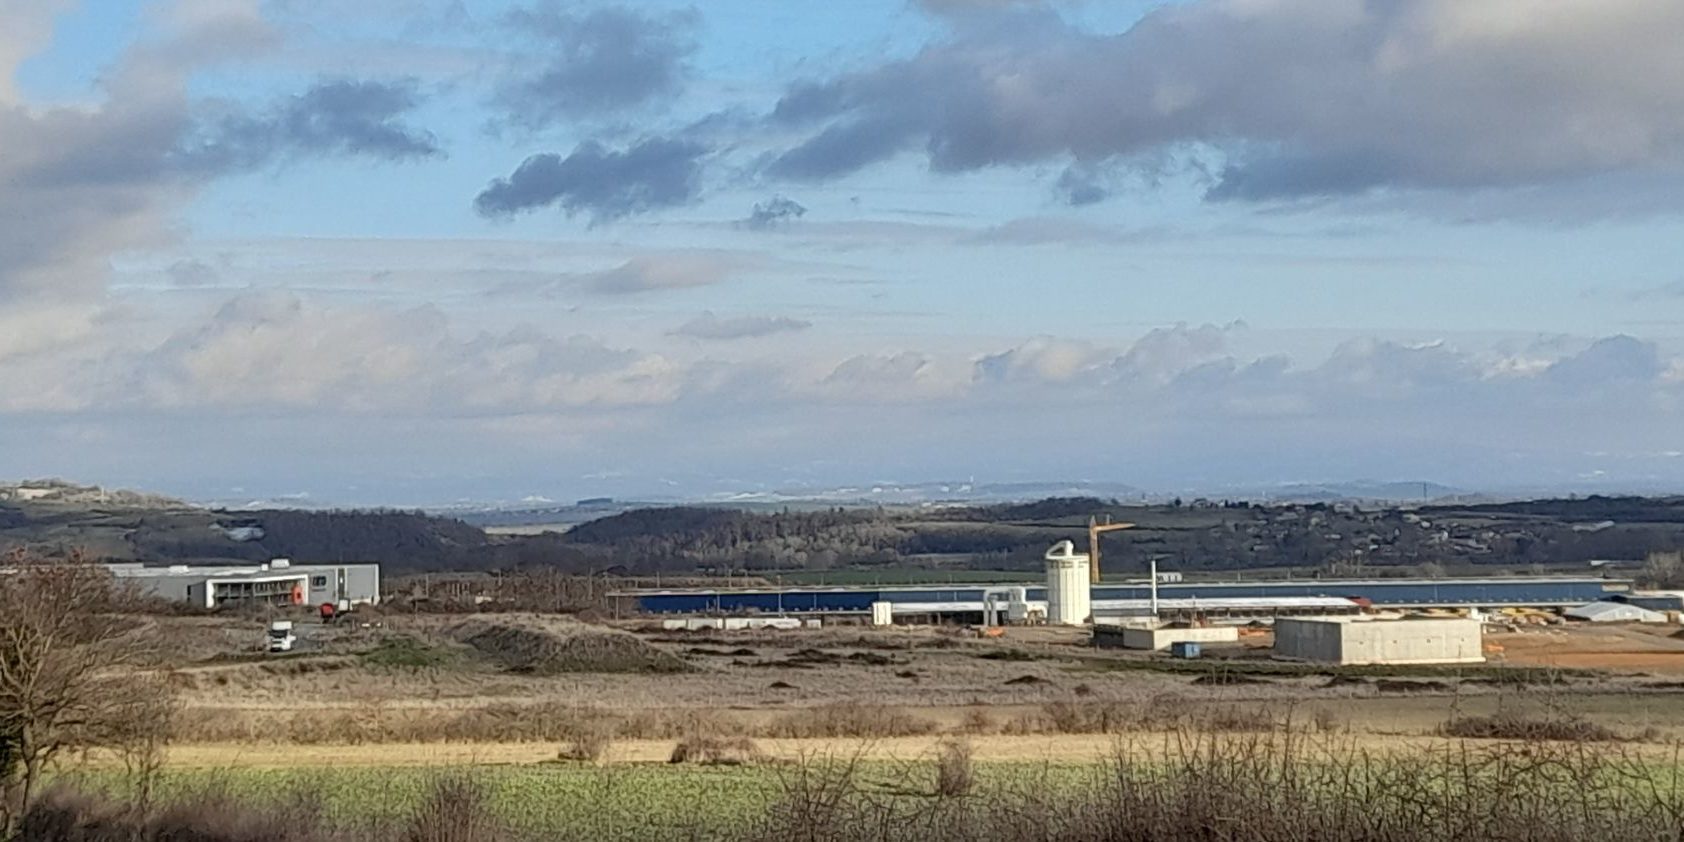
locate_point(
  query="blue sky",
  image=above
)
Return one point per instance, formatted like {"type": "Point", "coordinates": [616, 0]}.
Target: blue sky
{"type": "Point", "coordinates": [411, 252]}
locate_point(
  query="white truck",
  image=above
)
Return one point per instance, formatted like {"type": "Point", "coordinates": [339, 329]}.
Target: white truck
{"type": "Point", "coordinates": [280, 636]}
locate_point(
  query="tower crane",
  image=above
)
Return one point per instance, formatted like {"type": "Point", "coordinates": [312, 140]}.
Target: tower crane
{"type": "Point", "coordinates": [1096, 529]}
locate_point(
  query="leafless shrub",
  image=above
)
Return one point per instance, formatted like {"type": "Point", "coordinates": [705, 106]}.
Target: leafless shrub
{"type": "Point", "coordinates": [502, 722]}
{"type": "Point", "coordinates": [849, 719]}
{"type": "Point", "coordinates": [456, 810]}
{"type": "Point", "coordinates": [979, 721]}
{"type": "Point", "coordinates": [587, 739]}
{"type": "Point", "coordinates": [1275, 785]}
{"type": "Point", "coordinates": [62, 815]}
{"type": "Point", "coordinates": [1510, 725]}
{"type": "Point", "coordinates": [1325, 721]}
{"type": "Point", "coordinates": [1067, 717]}
{"type": "Point", "coordinates": [1110, 717]}
{"type": "Point", "coordinates": [140, 734]}
{"type": "Point", "coordinates": [716, 751]}
{"type": "Point", "coordinates": [955, 774]}
{"type": "Point", "coordinates": [1235, 719]}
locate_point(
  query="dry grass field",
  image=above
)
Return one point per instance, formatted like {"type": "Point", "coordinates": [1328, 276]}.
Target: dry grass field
{"type": "Point", "coordinates": [443, 690]}
{"type": "Point", "coordinates": [541, 727]}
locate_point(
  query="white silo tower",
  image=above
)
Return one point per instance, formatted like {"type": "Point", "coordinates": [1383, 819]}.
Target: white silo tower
{"type": "Point", "coordinates": [1069, 597]}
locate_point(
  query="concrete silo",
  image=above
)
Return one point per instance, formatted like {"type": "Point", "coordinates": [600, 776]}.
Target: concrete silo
{"type": "Point", "coordinates": [1069, 594]}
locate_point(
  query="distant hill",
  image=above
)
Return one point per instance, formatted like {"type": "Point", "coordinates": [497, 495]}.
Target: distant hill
{"type": "Point", "coordinates": [172, 533]}
{"type": "Point", "coordinates": [62, 491]}
{"type": "Point", "coordinates": [1196, 535]}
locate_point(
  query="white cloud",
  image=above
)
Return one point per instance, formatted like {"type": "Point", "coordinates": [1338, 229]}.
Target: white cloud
{"type": "Point", "coordinates": [1042, 358]}
{"type": "Point", "coordinates": [709, 327]}
{"type": "Point", "coordinates": [270, 350]}
{"type": "Point", "coordinates": [890, 378]}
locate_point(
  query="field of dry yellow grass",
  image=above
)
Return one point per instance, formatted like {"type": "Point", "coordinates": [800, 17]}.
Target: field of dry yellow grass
{"type": "Point", "coordinates": [444, 690]}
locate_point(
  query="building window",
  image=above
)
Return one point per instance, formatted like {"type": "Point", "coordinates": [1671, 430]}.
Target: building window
{"type": "Point", "coordinates": [318, 581]}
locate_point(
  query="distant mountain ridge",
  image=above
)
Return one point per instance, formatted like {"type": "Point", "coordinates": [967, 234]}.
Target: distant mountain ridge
{"type": "Point", "coordinates": [54, 490]}
{"type": "Point", "coordinates": [809, 535]}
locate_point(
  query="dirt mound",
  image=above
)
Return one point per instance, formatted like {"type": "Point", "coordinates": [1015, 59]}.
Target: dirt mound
{"type": "Point", "coordinates": [553, 645]}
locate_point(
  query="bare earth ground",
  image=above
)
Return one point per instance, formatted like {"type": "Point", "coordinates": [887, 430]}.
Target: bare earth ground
{"type": "Point", "coordinates": [996, 690]}
{"type": "Point", "coordinates": [1650, 649]}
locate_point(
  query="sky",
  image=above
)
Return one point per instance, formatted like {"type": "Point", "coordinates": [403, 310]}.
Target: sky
{"type": "Point", "coordinates": [410, 252]}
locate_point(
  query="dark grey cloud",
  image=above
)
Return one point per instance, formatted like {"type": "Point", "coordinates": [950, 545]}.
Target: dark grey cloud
{"type": "Point", "coordinates": [333, 117]}
{"type": "Point", "coordinates": [81, 182]}
{"type": "Point", "coordinates": [599, 62]}
{"type": "Point", "coordinates": [1079, 186]}
{"type": "Point", "coordinates": [1296, 98]}
{"type": "Point", "coordinates": [774, 212]}
{"type": "Point", "coordinates": [711, 327]}
{"type": "Point", "coordinates": [605, 183]}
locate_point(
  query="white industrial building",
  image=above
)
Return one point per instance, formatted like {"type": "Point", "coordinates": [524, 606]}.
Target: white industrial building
{"type": "Point", "coordinates": [1159, 638]}
{"type": "Point", "coordinates": [278, 583]}
{"type": "Point", "coordinates": [1352, 640]}
{"type": "Point", "coordinates": [1614, 612]}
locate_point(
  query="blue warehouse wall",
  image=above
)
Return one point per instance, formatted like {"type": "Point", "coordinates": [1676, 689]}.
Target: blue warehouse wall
{"type": "Point", "coordinates": [1402, 592]}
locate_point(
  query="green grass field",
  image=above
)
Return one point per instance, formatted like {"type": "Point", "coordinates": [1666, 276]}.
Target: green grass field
{"type": "Point", "coordinates": [574, 800]}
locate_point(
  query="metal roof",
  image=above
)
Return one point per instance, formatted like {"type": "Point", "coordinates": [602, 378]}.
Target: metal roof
{"type": "Point", "coordinates": [129, 570]}
{"type": "Point", "coordinates": [1615, 612]}
{"type": "Point", "coordinates": [1040, 582]}
{"type": "Point", "coordinates": [1115, 606]}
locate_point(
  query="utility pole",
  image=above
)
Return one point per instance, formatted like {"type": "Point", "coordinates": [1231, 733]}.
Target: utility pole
{"type": "Point", "coordinates": [1154, 589]}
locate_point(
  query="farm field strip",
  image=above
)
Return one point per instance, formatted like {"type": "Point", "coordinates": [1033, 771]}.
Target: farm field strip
{"type": "Point", "coordinates": [1039, 749]}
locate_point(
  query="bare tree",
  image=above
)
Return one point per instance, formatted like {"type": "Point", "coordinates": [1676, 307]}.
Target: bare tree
{"type": "Point", "coordinates": [67, 659]}
{"type": "Point", "coordinates": [1663, 570]}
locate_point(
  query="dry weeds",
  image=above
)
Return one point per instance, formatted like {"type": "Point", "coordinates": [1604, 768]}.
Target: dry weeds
{"type": "Point", "coordinates": [716, 751]}
{"type": "Point", "coordinates": [848, 719]}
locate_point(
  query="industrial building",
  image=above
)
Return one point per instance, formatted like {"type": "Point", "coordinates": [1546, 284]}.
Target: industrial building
{"type": "Point", "coordinates": [278, 583]}
{"type": "Point", "coordinates": [1209, 599]}
{"type": "Point", "coordinates": [1662, 601]}
{"type": "Point", "coordinates": [1159, 638]}
{"type": "Point", "coordinates": [1347, 640]}
{"type": "Point", "coordinates": [1614, 612]}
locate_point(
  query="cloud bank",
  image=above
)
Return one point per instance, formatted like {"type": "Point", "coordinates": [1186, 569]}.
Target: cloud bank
{"type": "Point", "coordinates": [1299, 97]}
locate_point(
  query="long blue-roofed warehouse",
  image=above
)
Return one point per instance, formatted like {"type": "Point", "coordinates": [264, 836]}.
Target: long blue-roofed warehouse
{"type": "Point", "coordinates": [1253, 598]}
